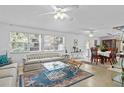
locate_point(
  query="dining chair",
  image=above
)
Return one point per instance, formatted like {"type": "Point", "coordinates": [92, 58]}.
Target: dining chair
{"type": "Point", "coordinates": [94, 55]}
{"type": "Point", "coordinates": [112, 57]}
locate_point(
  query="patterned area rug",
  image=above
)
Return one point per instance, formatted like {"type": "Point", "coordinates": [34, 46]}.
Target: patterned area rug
{"type": "Point", "coordinates": [57, 78]}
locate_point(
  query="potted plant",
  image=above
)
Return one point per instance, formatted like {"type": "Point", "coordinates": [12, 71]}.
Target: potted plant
{"type": "Point", "coordinates": [103, 47]}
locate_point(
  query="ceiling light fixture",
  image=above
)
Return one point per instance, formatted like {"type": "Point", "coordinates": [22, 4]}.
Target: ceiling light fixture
{"type": "Point", "coordinates": [59, 15]}
{"type": "Point", "coordinates": [90, 35]}
{"type": "Point", "coordinates": [89, 32]}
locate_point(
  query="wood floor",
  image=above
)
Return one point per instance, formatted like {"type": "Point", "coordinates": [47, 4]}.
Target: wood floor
{"type": "Point", "coordinates": [102, 77]}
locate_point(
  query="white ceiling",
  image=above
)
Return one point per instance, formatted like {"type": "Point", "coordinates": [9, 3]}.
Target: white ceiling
{"type": "Point", "coordinates": [100, 18]}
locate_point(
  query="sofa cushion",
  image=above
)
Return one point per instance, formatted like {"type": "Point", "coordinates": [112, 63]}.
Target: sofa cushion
{"type": "Point", "coordinates": [32, 67]}
{"type": "Point", "coordinates": [12, 65]}
{"type": "Point", "coordinates": [42, 55]}
{"type": "Point", "coordinates": [35, 56]}
{"type": "Point", "coordinates": [57, 58]}
{"type": "Point", "coordinates": [8, 72]}
{"type": "Point", "coordinates": [7, 82]}
{"type": "Point", "coordinates": [37, 60]}
{"type": "Point", "coordinates": [33, 61]}
{"type": "Point", "coordinates": [4, 60]}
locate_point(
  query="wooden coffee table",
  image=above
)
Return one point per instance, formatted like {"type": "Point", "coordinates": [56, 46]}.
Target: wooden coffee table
{"type": "Point", "coordinates": [75, 63]}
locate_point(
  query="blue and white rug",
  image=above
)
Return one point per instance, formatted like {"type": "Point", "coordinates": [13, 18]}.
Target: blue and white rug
{"type": "Point", "coordinates": [56, 78]}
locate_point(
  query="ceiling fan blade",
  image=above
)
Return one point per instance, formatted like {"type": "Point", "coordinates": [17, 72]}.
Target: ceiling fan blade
{"type": "Point", "coordinates": [118, 34]}
{"type": "Point", "coordinates": [112, 33]}
{"type": "Point", "coordinates": [66, 9]}
{"type": "Point", "coordinates": [87, 32]}
{"type": "Point", "coordinates": [54, 7]}
{"type": "Point", "coordinates": [109, 34]}
{"type": "Point", "coordinates": [68, 17]}
{"type": "Point", "coordinates": [49, 13]}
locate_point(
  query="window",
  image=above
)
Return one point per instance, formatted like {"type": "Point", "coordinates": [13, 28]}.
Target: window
{"type": "Point", "coordinates": [48, 42]}
{"type": "Point", "coordinates": [33, 42]}
{"type": "Point", "coordinates": [26, 42]}
{"type": "Point", "coordinates": [59, 43]}
{"type": "Point", "coordinates": [19, 41]}
{"type": "Point", "coordinates": [23, 42]}
{"type": "Point", "coordinates": [53, 43]}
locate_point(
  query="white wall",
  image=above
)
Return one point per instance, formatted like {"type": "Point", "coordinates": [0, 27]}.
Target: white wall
{"type": "Point", "coordinates": [91, 41]}
{"type": "Point", "coordinates": [5, 31]}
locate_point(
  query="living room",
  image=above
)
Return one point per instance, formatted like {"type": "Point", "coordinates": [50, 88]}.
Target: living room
{"type": "Point", "coordinates": [54, 46]}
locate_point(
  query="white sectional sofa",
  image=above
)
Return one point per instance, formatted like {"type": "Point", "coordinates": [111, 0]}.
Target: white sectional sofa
{"type": "Point", "coordinates": [8, 75]}
{"type": "Point", "coordinates": [33, 61]}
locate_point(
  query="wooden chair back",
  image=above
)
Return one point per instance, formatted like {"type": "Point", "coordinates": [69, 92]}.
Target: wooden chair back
{"type": "Point", "coordinates": [94, 51]}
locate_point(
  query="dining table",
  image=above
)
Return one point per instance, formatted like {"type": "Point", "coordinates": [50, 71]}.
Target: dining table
{"type": "Point", "coordinates": [104, 55]}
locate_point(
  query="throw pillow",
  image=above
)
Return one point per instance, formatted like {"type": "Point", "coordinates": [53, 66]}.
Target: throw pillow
{"type": "Point", "coordinates": [4, 60]}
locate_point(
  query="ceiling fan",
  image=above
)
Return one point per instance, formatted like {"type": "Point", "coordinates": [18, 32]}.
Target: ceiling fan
{"type": "Point", "coordinates": [60, 12]}
{"type": "Point", "coordinates": [114, 34]}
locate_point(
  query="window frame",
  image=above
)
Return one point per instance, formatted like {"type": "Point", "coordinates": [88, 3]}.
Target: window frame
{"type": "Point", "coordinates": [41, 43]}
